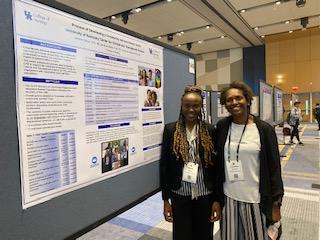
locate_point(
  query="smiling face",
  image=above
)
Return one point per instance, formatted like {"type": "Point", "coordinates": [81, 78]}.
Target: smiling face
{"type": "Point", "coordinates": [191, 107]}
{"type": "Point", "coordinates": [236, 103]}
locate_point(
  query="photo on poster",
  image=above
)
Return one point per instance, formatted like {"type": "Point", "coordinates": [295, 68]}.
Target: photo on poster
{"type": "Point", "coordinates": [149, 77]}
{"type": "Point", "coordinates": [158, 78]}
{"type": "Point", "coordinates": [151, 98]}
{"type": "Point", "coordinates": [114, 154]}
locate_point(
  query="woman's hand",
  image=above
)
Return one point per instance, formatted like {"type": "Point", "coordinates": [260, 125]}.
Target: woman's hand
{"type": "Point", "coordinates": [215, 212]}
{"type": "Point", "coordinates": [167, 211]}
{"type": "Point", "coordinates": [276, 214]}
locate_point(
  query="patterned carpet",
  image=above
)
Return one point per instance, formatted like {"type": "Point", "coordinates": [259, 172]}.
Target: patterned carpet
{"type": "Point", "coordinates": [300, 211]}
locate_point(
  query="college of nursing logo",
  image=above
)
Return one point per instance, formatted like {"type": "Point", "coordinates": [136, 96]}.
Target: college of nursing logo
{"type": "Point", "coordinates": [154, 52]}
{"type": "Point", "coordinates": [28, 15]}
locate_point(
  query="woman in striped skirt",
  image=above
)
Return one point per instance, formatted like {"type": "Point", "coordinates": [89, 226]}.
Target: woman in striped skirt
{"type": "Point", "coordinates": [249, 161]}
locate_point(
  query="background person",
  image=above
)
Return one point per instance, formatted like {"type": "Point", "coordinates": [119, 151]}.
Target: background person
{"type": "Point", "coordinates": [248, 158]}
{"type": "Point", "coordinates": [295, 118]}
{"type": "Point", "coordinates": [316, 113]}
{"type": "Point", "coordinates": [190, 190]}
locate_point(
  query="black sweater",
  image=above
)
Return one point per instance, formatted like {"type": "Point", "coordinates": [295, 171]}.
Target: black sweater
{"type": "Point", "coordinates": [270, 184]}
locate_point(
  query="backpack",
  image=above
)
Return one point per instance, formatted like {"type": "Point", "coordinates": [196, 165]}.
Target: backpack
{"type": "Point", "coordinates": [288, 117]}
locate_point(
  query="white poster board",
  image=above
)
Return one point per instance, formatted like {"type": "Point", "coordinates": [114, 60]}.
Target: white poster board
{"type": "Point", "coordinates": [278, 106]}
{"type": "Point", "coordinates": [254, 109]}
{"type": "Point", "coordinates": [89, 101]}
{"type": "Point", "coordinates": [266, 102]}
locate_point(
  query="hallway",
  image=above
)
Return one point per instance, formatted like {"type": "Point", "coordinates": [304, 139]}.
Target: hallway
{"type": "Point", "coordinates": [300, 209]}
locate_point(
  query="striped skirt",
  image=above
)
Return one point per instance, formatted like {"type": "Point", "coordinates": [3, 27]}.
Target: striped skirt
{"type": "Point", "coordinates": [242, 221]}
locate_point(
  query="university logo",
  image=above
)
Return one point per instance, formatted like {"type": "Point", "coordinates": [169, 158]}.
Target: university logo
{"type": "Point", "coordinates": [28, 15]}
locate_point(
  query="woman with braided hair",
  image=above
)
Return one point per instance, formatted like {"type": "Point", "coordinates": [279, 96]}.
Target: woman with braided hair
{"type": "Point", "coordinates": [190, 190]}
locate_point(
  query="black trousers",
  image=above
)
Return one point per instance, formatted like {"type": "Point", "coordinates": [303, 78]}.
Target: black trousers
{"type": "Point", "coordinates": [318, 120]}
{"type": "Point", "coordinates": [191, 218]}
{"type": "Point", "coordinates": [295, 132]}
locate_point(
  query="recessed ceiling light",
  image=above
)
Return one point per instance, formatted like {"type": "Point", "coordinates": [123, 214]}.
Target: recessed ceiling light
{"type": "Point", "coordinates": [200, 41]}
{"type": "Point", "coordinates": [169, 0]}
{"type": "Point", "coordinates": [278, 2]}
{"type": "Point", "coordinates": [256, 28]}
{"type": "Point", "coordinates": [179, 45]}
{"type": "Point", "coordinates": [179, 34]}
{"type": "Point", "coordinates": [207, 27]}
{"type": "Point", "coordinates": [222, 36]}
{"type": "Point", "coordinates": [159, 37]}
{"type": "Point", "coordinates": [243, 10]}
{"type": "Point", "coordinates": [113, 17]}
{"type": "Point", "coordinates": [287, 22]}
{"type": "Point", "coordinates": [290, 31]}
{"type": "Point", "coordinates": [262, 36]}
{"type": "Point", "coordinates": [182, 32]}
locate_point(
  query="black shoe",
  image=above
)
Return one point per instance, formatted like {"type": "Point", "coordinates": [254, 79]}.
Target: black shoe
{"type": "Point", "coordinates": [301, 143]}
{"type": "Point", "coordinates": [291, 142]}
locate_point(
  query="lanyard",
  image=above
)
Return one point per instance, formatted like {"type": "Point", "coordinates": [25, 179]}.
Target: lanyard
{"type": "Point", "coordinates": [239, 140]}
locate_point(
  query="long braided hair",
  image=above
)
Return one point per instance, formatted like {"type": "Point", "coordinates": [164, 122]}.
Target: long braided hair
{"type": "Point", "coordinates": [180, 143]}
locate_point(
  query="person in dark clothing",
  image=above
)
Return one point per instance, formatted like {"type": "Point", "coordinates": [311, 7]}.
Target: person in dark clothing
{"type": "Point", "coordinates": [316, 113]}
{"type": "Point", "coordinates": [295, 118]}
{"type": "Point", "coordinates": [190, 189]}
{"type": "Point", "coordinates": [249, 161]}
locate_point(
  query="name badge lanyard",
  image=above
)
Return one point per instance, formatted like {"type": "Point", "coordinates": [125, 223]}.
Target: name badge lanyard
{"type": "Point", "coordinates": [239, 140]}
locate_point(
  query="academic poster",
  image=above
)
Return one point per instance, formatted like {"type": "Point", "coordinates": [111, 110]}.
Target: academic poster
{"type": "Point", "coordinates": [89, 101]}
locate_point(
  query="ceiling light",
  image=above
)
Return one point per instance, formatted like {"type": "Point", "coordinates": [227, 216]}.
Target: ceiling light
{"type": "Point", "coordinates": [182, 32]}
{"type": "Point", "coordinates": [113, 17]}
{"type": "Point", "coordinates": [200, 41]}
{"type": "Point", "coordinates": [256, 28]}
{"type": "Point", "coordinates": [169, 0]}
{"type": "Point", "coordinates": [136, 10]}
{"type": "Point", "coordinates": [262, 36]}
{"type": "Point", "coordinates": [179, 45]}
{"type": "Point", "coordinates": [290, 31]}
{"type": "Point", "coordinates": [179, 34]}
{"type": "Point", "coordinates": [243, 10]}
{"type": "Point", "coordinates": [278, 2]}
{"type": "Point", "coordinates": [287, 22]}
{"type": "Point", "coordinates": [222, 36]}
{"type": "Point", "coordinates": [207, 27]}
{"type": "Point", "coordinates": [159, 37]}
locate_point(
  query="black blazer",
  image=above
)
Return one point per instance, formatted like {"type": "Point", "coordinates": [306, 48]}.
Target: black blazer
{"type": "Point", "coordinates": [270, 184]}
{"type": "Point", "coordinates": [171, 168]}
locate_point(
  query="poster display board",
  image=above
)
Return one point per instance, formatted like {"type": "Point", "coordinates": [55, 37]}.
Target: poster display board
{"type": "Point", "coordinates": [254, 109]}
{"type": "Point", "coordinates": [207, 106]}
{"type": "Point", "coordinates": [277, 105]}
{"type": "Point", "coordinates": [89, 101]}
{"type": "Point", "coordinates": [266, 102]}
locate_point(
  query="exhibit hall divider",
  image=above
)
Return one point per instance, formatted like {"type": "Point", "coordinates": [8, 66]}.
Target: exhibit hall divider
{"type": "Point", "coordinates": [266, 102]}
{"type": "Point", "coordinates": [70, 214]}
